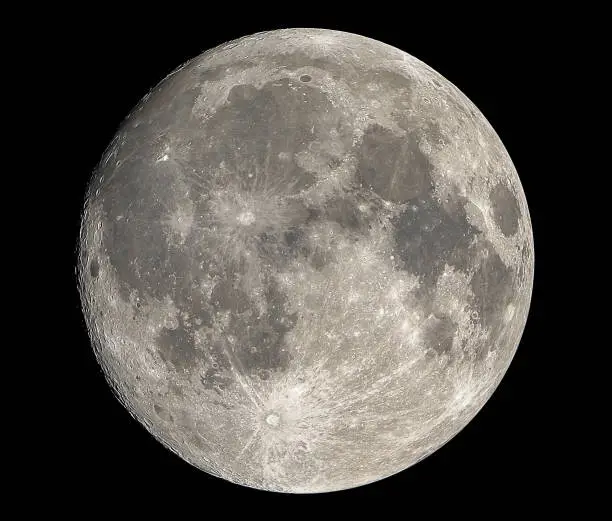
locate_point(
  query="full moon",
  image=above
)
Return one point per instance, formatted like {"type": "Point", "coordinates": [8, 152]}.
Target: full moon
{"type": "Point", "coordinates": [305, 261]}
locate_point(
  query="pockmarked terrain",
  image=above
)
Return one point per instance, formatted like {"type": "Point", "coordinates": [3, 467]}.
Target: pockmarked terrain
{"type": "Point", "coordinates": [306, 261]}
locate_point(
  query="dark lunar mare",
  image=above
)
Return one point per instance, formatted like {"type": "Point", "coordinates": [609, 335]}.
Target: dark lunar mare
{"type": "Point", "coordinates": [428, 236]}
{"type": "Point", "coordinates": [256, 129]}
{"type": "Point", "coordinates": [494, 286]}
{"type": "Point", "coordinates": [249, 135]}
{"type": "Point", "coordinates": [393, 166]}
{"type": "Point", "coordinates": [506, 211]}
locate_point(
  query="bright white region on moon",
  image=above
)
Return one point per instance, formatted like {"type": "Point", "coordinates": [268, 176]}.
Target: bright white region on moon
{"type": "Point", "coordinates": [272, 419]}
{"type": "Point", "coordinates": [306, 261]}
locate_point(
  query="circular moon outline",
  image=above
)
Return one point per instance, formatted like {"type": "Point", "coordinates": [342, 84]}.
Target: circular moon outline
{"type": "Point", "coordinates": [305, 261]}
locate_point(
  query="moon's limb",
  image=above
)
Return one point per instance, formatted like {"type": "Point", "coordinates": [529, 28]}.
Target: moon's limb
{"type": "Point", "coordinates": [306, 261]}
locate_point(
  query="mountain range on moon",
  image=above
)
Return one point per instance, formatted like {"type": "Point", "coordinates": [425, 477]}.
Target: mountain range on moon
{"type": "Point", "coordinates": [306, 261]}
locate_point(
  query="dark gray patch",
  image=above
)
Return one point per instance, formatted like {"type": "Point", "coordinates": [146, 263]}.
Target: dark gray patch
{"type": "Point", "coordinates": [166, 111]}
{"type": "Point", "coordinates": [147, 262]}
{"type": "Point", "coordinates": [296, 244]}
{"type": "Point", "coordinates": [198, 305]}
{"type": "Point", "coordinates": [261, 339]}
{"type": "Point", "coordinates": [319, 258]}
{"type": "Point", "coordinates": [256, 129]}
{"type": "Point", "coordinates": [393, 166]}
{"type": "Point", "coordinates": [493, 288]}
{"type": "Point", "coordinates": [228, 296]}
{"type": "Point", "coordinates": [270, 353]}
{"type": "Point", "coordinates": [302, 247]}
{"type": "Point", "coordinates": [212, 74]}
{"type": "Point", "coordinates": [177, 347]}
{"type": "Point", "coordinates": [293, 237]}
{"type": "Point", "coordinates": [240, 93]}
{"type": "Point", "coordinates": [252, 129]}
{"type": "Point", "coordinates": [505, 209]}
{"type": "Point", "coordinates": [279, 319]}
{"type": "Point", "coordinates": [134, 240]}
{"type": "Point", "coordinates": [427, 237]}
{"type": "Point", "coordinates": [276, 249]}
{"type": "Point", "coordinates": [345, 212]}
{"type": "Point", "coordinates": [305, 78]}
{"type": "Point", "coordinates": [94, 268]}
{"type": "Point", "coordinates": [314, 213]}
{"type": "Point", "coordinates": [257, 345]}
{"type": "Point", "coordinates": [222, 71]}
{"type": "Point", "coordinates": [138, 196]}
{"type": "Point", "coordinates": [439, 333]}
{"type": "Point", "coordinates": [428, 131]}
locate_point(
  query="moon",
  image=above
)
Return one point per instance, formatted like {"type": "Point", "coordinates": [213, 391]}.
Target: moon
{"type": "Point", "coordinates": [305, 261]}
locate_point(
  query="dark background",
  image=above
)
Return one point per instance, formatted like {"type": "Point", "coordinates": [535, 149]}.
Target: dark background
{"type": "Point", "coordinates": [511, 454]}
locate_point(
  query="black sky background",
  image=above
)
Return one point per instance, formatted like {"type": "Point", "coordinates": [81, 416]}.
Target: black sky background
{"type": "Point", "coordinates": [509, 455]}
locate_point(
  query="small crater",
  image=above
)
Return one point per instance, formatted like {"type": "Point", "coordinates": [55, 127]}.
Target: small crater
{"type": "Point", "coordinates": [163, 413]}
{"type": "Point", "coordinates": [94, 268]}
{"type": "Point", "coordinates": [273, 419]}
{"type": "Point", "coordinates": [439, 333]}
{"type": "Point", "coordinates": [305, 78]}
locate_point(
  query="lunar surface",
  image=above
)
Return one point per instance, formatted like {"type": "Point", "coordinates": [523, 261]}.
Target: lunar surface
{"type": "Point", "coordinates": [305, 261]}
